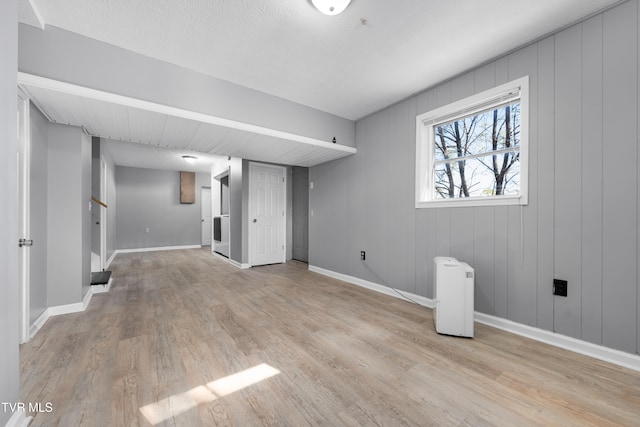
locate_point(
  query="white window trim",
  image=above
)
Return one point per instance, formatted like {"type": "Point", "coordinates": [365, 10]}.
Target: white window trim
{"type": "Point", "coordinates": [463, 107]}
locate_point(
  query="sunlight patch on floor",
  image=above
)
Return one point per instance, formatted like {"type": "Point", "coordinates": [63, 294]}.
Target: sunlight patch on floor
{"type": "Point", "coordinates": [176, 404]}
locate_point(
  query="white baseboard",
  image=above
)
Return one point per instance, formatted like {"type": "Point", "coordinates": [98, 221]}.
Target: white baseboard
{"type": "Point", "coordinates": [159, 248]}
{"type": "Point", "coordinates": [616, 357]}
{"type": "Point", "coordinates": [58, 310]}
{"type": "Point", "coordinates": [101, 289]}
{"type": "Point", "coordinates": [241, 266]}
{"type": "Point", "coordinates": [427, 302]}
{"type": "Point", "coordinates": [18, 419]}
{"type": "Point", "coordinates": [113, 255]}
{"type": "Point", "coordinates": [40, 321]}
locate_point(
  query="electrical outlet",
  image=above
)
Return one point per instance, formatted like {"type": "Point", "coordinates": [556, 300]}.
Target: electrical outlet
{"type": "Point", "coordinates": [560, 287]}
{"type": "Point", "coordinates": [146, 230]}
{"type": "Point", "coordinates": [362, 255]}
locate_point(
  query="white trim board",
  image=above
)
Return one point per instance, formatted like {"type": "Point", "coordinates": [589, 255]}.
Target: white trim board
{"type": "Point", "coordinates": [616, 357]}
{"type": "Point", "coordinates": [18, 419]}
{"type": "Point", "coordinates": [58, 310]}
{"type": "Point", "coordinates": [159, 248]}
{"type": "Point", "coordinates": [110, 260]}
{"type": "Point", "coordinates": [242, 266]}
{"type": "Point", "coordinates": [427, 302]}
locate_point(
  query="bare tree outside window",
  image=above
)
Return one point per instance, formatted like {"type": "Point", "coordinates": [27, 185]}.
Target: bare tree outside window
{"type": "Point", "coordinates": [478, 155]}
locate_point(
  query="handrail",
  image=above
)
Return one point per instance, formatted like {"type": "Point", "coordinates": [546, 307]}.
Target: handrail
{"type": "Point", "coordinates": [101, 203]}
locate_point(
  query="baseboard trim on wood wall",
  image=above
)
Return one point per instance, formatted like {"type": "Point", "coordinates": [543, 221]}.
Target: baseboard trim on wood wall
{"type": "Point", "coordinates": [427, 302]}
{"type": "Point", "coordinates": [159, 248]}
{"type": "Point", "coordinates": [40, 321]}
{"type": "Point", "coordinates": [242, 266]}
{"type": "Point", "coordinates": [58, 310]}
{"type": "Point", "coordinates": [616, 357]}
{"type": "Point", "coordinates": [113, 255]}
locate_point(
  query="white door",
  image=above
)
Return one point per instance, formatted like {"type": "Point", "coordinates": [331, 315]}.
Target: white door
{"type": "Point", "coordinates": [267, 219]}
{"type": "Point", "coordinates": [24, 180]}
{"type": "Point", "coordinates": [206, 207]}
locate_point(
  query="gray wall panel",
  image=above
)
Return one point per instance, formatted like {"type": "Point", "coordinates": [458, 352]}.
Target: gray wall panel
{"type": "Point", "coordinates": [328, 221]}
{"type": "Point", "coordinates": [148, 198]}
{"type": "Point", "coordinates": [300, 213]}
{"type": "Point", "coordinates": [9, 316]}
{"type": "Point", "coordinates": [620, 168]}
{"type": "Point", "coordinates": [500, 260]}
{"type": "Point", "coordinates": [38, 214]}
{"type": "Point", "coordinates": [523, 227]}
{"type": "Point", "coordinates": [582, 216]}
{"type": "Point", "coordinates": [84, 206]}
{"type": "Point", "coordinates": [568, 174]}
{"type": "Point", "coordinates": [483, 259]}
{"type": "Point", "coordinates": [592, 189]}
{"type": "Point", "coordinates": [545, 175]}
{"type": "Point", "coordinates": [110, 201]}
{"type": "Point", "coordinates": [67, 210]}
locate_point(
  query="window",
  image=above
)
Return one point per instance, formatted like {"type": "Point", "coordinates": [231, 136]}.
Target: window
{"type": "Point", "coordinates": [473, 152]}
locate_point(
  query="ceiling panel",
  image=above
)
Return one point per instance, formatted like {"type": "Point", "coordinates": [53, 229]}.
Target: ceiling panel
{"type": "Point", "coordinates": [119, 118]}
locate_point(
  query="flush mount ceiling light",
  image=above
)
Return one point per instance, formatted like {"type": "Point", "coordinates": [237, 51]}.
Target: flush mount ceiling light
{"type": "Point", "coordinates": [331, 7]}
{"type": "Point", "coordinates": [189, 159]}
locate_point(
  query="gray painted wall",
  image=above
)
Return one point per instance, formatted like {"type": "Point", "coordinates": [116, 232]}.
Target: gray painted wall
{"type": "Point", "coordinates": [9, 365]}
{"type": "Point", "coordinates": [110, 201]}
{"type": "Point", "coordinates": [68, 215]}
{"type": "Point", "coordinates": [71, 58]}
{"type": "Point", "coordinates": [300, 213]}
{"type": "Point", "coordinates": [581, 223]}
{"type": "Point", "coordinates": [86, 207]}
{"type": "Point", "coordinates": [237, 214]}
{"type": "Point", "coordinates": [38, 213]}
{"type": "Point", "coordinates": [147, 198]}
{"type": "Point", "coordinates": [95, 192]}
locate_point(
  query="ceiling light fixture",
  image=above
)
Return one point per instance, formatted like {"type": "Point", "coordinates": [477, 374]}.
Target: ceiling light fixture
{"type": "Point", "coordinates": [189, 159]}
{"type": "Point", "coordinates": [331, 7]}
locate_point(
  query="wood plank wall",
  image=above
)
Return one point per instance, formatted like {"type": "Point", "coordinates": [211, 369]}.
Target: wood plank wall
{"type": "Point", "coordinates": [581, 223]}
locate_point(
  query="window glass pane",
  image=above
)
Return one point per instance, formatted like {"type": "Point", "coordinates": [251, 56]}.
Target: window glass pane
{"type": "Point", "coordinates": [486, 131]}
{"type": "Point", "coordinates": [487, 176]}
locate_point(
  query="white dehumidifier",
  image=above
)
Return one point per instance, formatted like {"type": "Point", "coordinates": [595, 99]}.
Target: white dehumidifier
{"type": "Point", "coordinates": [453, 294]}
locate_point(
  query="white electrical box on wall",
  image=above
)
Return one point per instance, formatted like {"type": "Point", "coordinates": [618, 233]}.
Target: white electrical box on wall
{"type": "Point", "coordinates": [454, 294]}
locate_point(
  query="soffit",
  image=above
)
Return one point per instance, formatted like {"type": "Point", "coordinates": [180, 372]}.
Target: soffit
{"type": "Point", "coordinates": [171, 130]}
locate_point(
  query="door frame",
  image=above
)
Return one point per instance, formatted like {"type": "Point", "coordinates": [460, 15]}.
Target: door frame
{"type": "Point", "coordinates": [202, 204]}
{"type": "Point", "coordinates": [24, 212]}
{"type": "Point", "coordinates": [250, 203]}
{"type": "Point", "coordinates": [103, 214]}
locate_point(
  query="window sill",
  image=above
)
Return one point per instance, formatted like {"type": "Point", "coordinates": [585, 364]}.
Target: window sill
{"type": "Point", "coordinates": [460, 203]}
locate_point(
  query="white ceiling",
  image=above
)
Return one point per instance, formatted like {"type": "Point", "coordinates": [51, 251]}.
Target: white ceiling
{"type": "Point", "coordinates": [335, 64]}
{"type": "Point", "coordinates": [376, 53]}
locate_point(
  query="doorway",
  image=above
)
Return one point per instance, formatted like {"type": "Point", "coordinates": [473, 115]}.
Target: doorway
{"type": "Point", "coordinates": [300, 213]}
{"type": "Point", "coordinates": [267, 220]}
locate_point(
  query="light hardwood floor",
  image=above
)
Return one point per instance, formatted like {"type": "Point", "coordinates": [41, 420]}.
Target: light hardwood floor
{"type": "Point", "coordinates": [162, 345]}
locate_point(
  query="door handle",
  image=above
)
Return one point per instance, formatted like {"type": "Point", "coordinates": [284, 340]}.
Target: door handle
{"type": "Point", "coordinates": [25, 242]}
{"type": "Point", "coordinates": [255, 220]}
